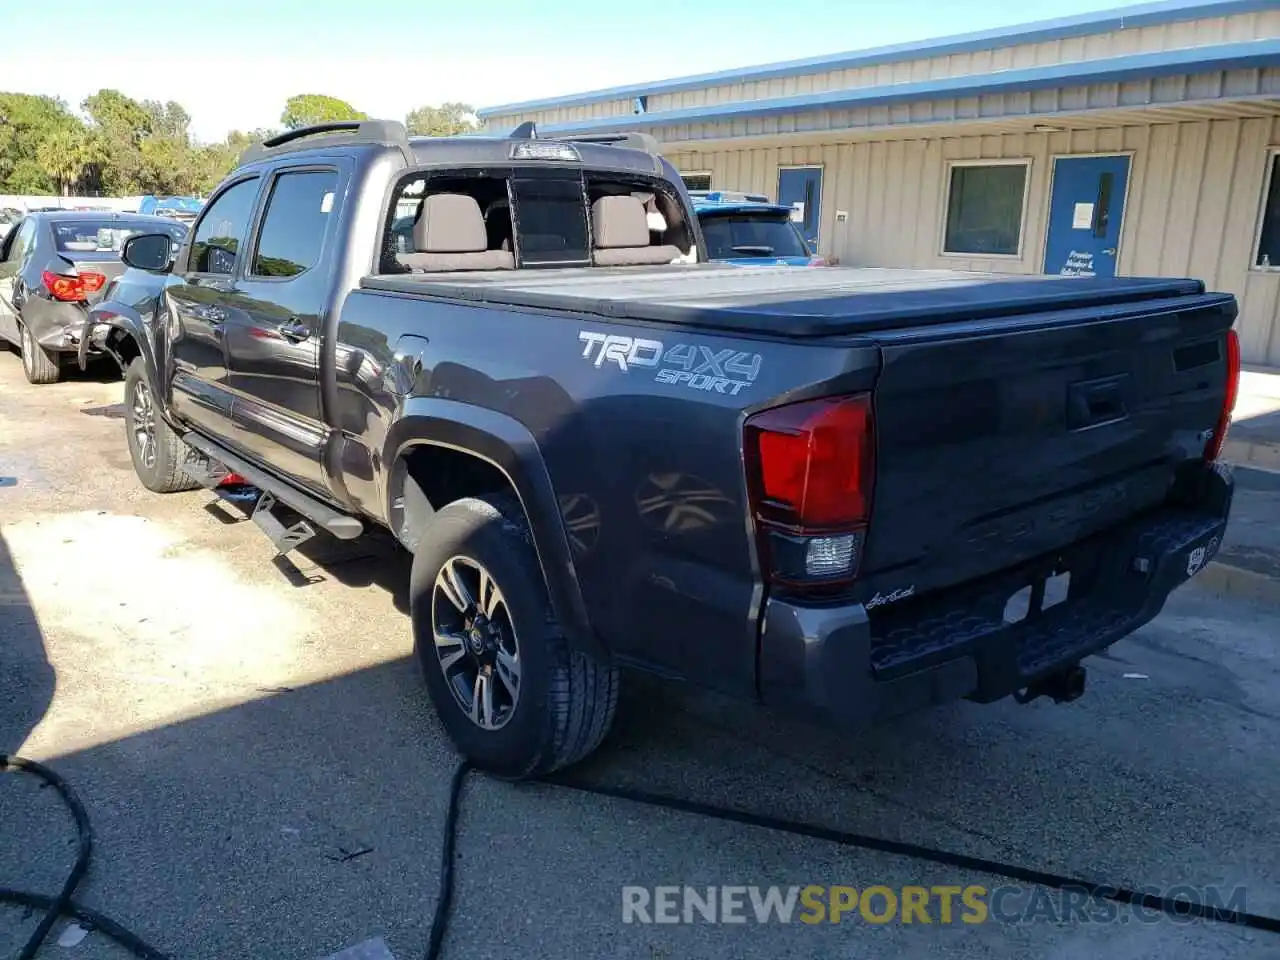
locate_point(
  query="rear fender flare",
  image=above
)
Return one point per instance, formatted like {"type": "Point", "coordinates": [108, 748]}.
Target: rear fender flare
{"type": "Point", "coordinates": [507, 445]}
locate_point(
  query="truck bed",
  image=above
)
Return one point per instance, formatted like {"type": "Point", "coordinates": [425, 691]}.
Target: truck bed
{"type": "Point", "coordinates": [798, 302]}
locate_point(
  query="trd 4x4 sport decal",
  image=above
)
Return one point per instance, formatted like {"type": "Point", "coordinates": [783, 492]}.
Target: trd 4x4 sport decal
{"type": "Point", "coordinates": [692, 365]}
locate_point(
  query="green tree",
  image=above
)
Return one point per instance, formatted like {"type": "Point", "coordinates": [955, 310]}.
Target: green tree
{"type": "Point", "coordinates": [121, 125]}
{"type": "Point", "coordinates": [28, 177]}
{"type": "Point", "coordinates": [306, 109]}
{"type": "Point", "coordinates": [114, 113]}
{"type": "Point", "coordinates": [64, 155]}
{"type": "Point", "coordinates": [168, 120]}
{"type": "Point", "coordinates": [25, 122]}
{"type": "Point", "coordinates": [442, 121]}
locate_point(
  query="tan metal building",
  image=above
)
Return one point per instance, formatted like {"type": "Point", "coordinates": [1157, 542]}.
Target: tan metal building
{"type": "Point", "coordinates": [1136, 141]}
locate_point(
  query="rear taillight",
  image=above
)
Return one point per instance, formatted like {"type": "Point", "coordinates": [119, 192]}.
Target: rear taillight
{"type": "Point", "coordinates": [811, 470]}
{"type": "Point", "coordinates": [1213, 449]}
{"type": "Point", "coordinates": [818, 262]}
{"type": "Point", "coordinates": [72, 289]}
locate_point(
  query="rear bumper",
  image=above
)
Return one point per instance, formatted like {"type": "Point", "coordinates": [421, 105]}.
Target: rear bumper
{"type": "Point", "coordinates": [850, 668]}
{"type": "Point", "coordinates": [56, 326]}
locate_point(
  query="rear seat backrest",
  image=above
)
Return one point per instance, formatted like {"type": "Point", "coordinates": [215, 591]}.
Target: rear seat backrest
{"type": "Point", "coordinates": [622, 234]}
{"type": "Point", "coordinates": [450, 235]}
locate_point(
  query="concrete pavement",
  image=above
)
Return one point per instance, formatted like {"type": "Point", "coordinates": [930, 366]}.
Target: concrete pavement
{"type": "Point", "coordinates": [266, 778]}
{"type": "Point", "coordinates": [1248, 565]}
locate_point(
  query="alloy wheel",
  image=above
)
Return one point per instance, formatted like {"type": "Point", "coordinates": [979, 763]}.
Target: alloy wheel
{"type": "Point", "coordinates": [28, 352]}
{"type": "Point", "coordinates": [143, 421]}
{"type": "Point", "coordinates": [475, 641]}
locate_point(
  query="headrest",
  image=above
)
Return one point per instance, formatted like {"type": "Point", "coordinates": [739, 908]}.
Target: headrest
{"type": "Point", "coordinates": [450, 223]}
{"type": "Point", "coordinates": [619, 222]}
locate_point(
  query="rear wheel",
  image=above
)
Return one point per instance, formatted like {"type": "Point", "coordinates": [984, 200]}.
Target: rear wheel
{"type": "Point", "coordinates": [156, 451]}
{"type": "Point", "coordinates": [39, 365]}
{"type": "Point", "coordinates": [515, 698]}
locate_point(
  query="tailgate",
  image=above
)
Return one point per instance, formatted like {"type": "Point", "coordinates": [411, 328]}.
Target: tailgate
{"type": "Point", "coordinates": [997, 447]}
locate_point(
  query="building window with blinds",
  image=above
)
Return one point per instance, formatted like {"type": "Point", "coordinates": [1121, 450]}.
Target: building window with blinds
{"type": "Point", "coordinates": [1268, 255]}
{"type": "Point", "coordinates": [986, 206]}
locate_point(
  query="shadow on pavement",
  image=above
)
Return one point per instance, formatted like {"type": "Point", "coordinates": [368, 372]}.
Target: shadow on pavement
{"type": "Point", "coordinates": [27, 678]}
{"type": "Point", "coordinates": [375, 559]}
{"type": "Point", "coordinates": [299, 824]}
{"type": "Point", "coordinates": [1262, 428]}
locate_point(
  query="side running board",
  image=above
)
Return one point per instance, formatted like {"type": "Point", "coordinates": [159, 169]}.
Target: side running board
{"type": "Point", "coordinates": [341, 525]}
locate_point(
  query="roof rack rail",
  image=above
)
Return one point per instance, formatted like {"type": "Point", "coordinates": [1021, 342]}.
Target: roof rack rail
{"type": "Point", "coordinates": [388, 132]}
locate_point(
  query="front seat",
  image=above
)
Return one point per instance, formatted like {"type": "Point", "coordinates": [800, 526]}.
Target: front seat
{"type": "Point", "coordinates": [622, 234]}
{"type": "Point", "coordinates": [450, 235]}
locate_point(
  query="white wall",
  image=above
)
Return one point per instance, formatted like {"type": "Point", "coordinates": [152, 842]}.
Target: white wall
{"type": "Point", "coordinates": [69, 203]}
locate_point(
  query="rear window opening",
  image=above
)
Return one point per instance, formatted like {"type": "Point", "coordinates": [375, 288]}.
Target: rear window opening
{"type": "Point", "coordinates": [101, 236]}
{"type": "Point", "coordinates": [524, 217]}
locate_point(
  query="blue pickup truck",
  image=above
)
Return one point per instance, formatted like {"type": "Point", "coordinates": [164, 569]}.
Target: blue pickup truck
{"type": "Point", "coordinates": [748, 230]}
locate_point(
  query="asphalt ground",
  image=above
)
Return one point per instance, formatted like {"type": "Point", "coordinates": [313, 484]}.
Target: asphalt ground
{"type": "Point", "coordinates": [267, 780]}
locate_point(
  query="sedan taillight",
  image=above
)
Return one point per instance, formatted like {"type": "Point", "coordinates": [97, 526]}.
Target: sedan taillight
{"type": "Point", "coordinates": [72, 289]}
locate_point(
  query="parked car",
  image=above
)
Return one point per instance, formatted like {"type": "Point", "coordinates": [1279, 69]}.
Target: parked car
{"type": "Point", "coordinates": [726, 196]}
{"type": "Point", "coordinates": [750, 232]}
{"type": "Point", "coordinates": [9, 218]}
{"type": "Point", "coordinates": [53, 266]}
{"type": "Point", "coordinates": [829, 490]}
{"type": "Point", "coordinates": [184, 209]}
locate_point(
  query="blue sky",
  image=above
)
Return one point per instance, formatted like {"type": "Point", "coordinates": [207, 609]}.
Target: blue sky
{"type": "Point", "coordinates": [240, 60]}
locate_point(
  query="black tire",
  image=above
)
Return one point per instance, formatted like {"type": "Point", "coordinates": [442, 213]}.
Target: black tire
{"type": "Point", "coordinates": [39, 365]}
{"type": "Point", "coordinates": [566, 700]}
{"type": "Point", "coordinates": [160, 470]}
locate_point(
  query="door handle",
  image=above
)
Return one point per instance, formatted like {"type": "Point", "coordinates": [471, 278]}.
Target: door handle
{"type": "Point", "coordinates": [1110, 250]}
{"type": "Point", "coordinates": [1096, 402]}
{"type": "Point", "coordinates": [294, 331]}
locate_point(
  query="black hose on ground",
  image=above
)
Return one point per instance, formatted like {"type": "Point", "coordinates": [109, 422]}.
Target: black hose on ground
{"type": "Point", "coordinates": [1181, 909]}
{"type": "Point", "coordinates": [63, 905]}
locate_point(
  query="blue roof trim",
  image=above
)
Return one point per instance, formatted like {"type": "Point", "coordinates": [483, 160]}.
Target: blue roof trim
{"type": "Point", "coordinates": [1143, 66]}
{"type": "Point", "coordinates": [1141, 15]}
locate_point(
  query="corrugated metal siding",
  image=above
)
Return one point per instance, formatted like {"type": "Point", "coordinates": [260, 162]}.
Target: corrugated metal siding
{"type": "Point", "coordinates": [1193, 33]}
{"type": "Point", "coordinates": [1195, 191]}
{"type": "Point", "coordinates": [1147, 94]}
{"type": "Point", "coordinates": [590, 111]}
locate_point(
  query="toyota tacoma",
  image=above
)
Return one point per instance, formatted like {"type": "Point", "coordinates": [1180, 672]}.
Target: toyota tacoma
{"type": "Point", "coordinates": [848, 493]}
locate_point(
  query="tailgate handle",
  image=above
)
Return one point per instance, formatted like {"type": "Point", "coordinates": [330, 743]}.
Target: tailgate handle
{"type": "Point", "coordinates": [1095, 402]}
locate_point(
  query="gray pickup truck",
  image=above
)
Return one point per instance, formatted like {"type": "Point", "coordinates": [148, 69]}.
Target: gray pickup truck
{"type": "Point", "coordinates": [847, 492]}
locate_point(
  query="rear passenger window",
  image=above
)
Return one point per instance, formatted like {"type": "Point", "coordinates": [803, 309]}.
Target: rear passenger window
{"type": "Point", "coordinates": [295, 223]}
{"type": "Point", "coordinates": [20, 240]}
{"type": "Point", "coordinates": [550, 221]}
{"type": "Point", "coordinates": [222, 229]}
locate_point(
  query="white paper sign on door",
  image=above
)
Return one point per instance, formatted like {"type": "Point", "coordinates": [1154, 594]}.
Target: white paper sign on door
{"type": "Point", "coordinates": [797, 212]}
{"type": "Point", "coordinates": [1082, 218]}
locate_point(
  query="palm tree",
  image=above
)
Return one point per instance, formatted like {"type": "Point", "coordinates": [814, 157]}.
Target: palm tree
{"type": "Point", "coordinates": [64, 154]}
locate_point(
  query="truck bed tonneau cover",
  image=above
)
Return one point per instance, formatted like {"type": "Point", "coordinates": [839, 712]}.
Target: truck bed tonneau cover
{"type": "Point", "coordinates": [804, 302]}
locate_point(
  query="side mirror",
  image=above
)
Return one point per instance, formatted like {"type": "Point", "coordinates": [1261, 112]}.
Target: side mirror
{"type": "Point", "coordinates": [149, 251]}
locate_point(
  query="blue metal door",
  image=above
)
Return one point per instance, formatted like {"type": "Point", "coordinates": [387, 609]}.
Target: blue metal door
{"type": "Point", "coordinates": [1084, 216]}
{"type": "Point", "coordinates": [800, 188]}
